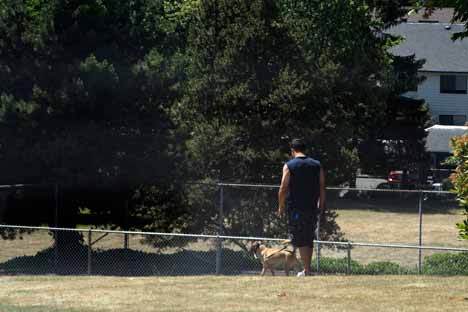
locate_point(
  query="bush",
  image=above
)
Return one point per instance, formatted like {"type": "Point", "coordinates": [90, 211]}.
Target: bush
{"type": "Point", "coordinates": [460, 178]}
{"type": "Point", "coordinates": [385, 267]}
{"type": "Point", "coordinates": [446, 264]}
{"type": "Point", "coordinates": [332, 265]}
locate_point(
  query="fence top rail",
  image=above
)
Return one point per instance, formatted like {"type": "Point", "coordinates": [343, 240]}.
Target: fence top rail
{"type": "Point", "coordinates": [273, 186]}
{"type": "Point", "coordinates": [400, 246]}
{"type": "Point", "coordinates": [268, 186]}
{"type": "Point", "coordinates": [10, 186]}
{"type": "Point", "coordinates": [19, 227]}
{"type": "Point", "coordinates": [249, 238]}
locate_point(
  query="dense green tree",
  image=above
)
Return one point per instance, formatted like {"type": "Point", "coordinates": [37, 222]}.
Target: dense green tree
{"type": "Point", "coordinates": [105, 97]}
{"type": "Point", "coordinates": [398, 142]}
{"type": "Point", "coordinates": [84, 90]}
{"type": "Point", "coordinates": [262, 72]}
{"type": "Point", "coordinates": [324, 85]}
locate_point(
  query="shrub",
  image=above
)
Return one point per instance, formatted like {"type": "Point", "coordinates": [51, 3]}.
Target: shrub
{"type": "Point", "coordinates": [385, 267]}
{"type": "Point", "coordinates": [446, 264]}
{"type": "Point", "coordinates": [460, 178]}
{"type": "Point", "coordinates": [333, 265]}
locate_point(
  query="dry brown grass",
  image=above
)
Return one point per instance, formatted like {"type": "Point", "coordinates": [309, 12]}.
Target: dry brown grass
{"type": "Point", "coordinates": [324, 293]}
{"type": "Point", "coordinates": [364, 225]}
{"type": "Point", "coordinates": [29, 245]}
{"type": "Point", "coordinates": [401, 227]}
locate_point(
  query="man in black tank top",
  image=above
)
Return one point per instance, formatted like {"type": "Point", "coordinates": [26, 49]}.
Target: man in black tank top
{"type": "Point", "coordinates": [303, 189]}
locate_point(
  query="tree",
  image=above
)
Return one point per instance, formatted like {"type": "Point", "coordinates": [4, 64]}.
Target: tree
{"type": "Point", "coordinates": [85, 86]}
{"type": "Point", "coordinates": [460, 179]}
{"type": "Point", "coordinates": [288, 78]}
{"type": "Point", "coordinates": [259, 74]}
{"type": "Point", "coordinates": [106, 97]}
{"type": "Point", "coordinates": [398, 141]}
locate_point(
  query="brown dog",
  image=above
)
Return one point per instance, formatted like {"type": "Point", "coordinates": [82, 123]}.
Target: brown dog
{"type": "Point", "coordinates": [274, 256]}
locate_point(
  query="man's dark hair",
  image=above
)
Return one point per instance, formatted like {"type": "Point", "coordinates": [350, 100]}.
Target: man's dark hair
{"type": "Point", "coordinates": [298, 145]}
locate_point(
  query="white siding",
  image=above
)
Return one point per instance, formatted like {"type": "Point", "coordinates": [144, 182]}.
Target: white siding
{"type": "Point", "coordinates": [440, 103]}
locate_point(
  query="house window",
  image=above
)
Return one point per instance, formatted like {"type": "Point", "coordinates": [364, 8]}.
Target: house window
{"type": "Point", "coordinates": [452, 120]}
{"type": "Point", "coordinates": [453, 84]}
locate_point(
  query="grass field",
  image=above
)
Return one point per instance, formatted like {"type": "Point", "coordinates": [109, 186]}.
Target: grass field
{"type": "Point", "coordinates": [367, 225]}
{"type": "Point", "coordinates": [205, 293]}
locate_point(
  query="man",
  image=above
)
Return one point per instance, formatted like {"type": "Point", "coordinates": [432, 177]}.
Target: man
{"type": "Point", "coordinates": [303, 187]}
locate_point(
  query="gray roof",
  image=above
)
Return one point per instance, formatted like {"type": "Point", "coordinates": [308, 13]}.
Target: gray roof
{"type": "Point", "coordinates": [444, 15]}
{"type": "Point", "coordinates": [438, 137]}
{"type": "Point", "coordinates": [433, 42]}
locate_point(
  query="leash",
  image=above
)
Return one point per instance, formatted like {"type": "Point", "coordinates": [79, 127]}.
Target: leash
{"type": "Point", "coordinates": [278, 251]}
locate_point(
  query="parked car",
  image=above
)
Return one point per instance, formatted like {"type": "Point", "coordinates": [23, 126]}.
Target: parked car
{"type": "Point", "coordinates": [395, 179]}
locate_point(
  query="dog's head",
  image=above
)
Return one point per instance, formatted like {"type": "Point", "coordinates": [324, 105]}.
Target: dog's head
{"type": "Point", "coordinates": [254, 248]}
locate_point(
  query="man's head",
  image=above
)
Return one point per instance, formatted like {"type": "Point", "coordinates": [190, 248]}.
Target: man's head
{"type": "Point", "coordinates": [297, 147]}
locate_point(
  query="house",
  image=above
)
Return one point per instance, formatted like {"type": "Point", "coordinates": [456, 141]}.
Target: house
{"type": "Point", "coordinates": [446, 67]}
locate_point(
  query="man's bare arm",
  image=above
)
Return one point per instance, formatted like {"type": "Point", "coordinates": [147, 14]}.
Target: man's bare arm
{"type": "Point", "coordinates": [283, 190]}
{"type": "Point", "coordinates": [322, 191]}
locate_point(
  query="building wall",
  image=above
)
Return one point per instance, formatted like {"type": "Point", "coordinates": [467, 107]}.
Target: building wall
{"type": "Point", "coordinates": [440, 103]}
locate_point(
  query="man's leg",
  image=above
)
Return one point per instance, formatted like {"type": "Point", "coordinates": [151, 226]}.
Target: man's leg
{"type": "Point", "coordinates": [306, 257]}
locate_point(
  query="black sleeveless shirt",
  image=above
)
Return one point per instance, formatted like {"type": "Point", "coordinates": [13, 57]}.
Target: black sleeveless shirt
{"type": "Point", "coordinates": [304, 186]}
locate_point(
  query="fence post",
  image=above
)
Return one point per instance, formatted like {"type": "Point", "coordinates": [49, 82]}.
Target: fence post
{"type": "Point", "coordinates": [317, 234]}
{"type": "Point", "coordinates": [89, 251]}
{"type": "Point", "coordinates": [126, 241]}
{"type": "Point", "coordinates": [126, 225]}
{"type": "Point", "coordinates": [348, 267]}
{"type": "Point", "coordinates": [421, 195]}
{"type": "Point", "coordinates": [56, 206]}
{"type": "Point", "coordinates": [219, 243]}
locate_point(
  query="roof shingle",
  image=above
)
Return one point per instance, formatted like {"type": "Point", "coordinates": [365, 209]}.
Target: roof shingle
{"type": "Point", "coordinates": [433, 42]}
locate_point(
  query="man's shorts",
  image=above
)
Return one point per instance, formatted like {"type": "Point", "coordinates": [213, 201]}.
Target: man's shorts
{"type": "Point", "coordinates": [302, 229]}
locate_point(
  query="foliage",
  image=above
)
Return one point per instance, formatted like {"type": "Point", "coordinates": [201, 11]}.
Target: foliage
{"type": "Point", "coordinates": [460, 179]}
{"type": "Point", "coordinates": [340, 265]}
{"type": "Point", "coordinates": [437, 264]}
{"type": "Point", "coordinates": [398, 142]}
{"type": "Point", "coordinates": [446, 264]}
{"type": "Point", "coordinates": [120, 101]}
{"type": "Point", "coordinates": [83, 93]}
{"type": "Point", "coordinates": [257, 74]}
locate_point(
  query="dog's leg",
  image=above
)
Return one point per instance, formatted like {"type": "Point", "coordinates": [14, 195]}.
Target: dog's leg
{"type": "Point", "coordinates": [263, 271]}
{"type": "Point", "coordinates": [286, 269]}
{"type": "Point", "coordinates": [272, 271]}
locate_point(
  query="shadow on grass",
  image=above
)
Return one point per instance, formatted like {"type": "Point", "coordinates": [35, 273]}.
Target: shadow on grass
{"type": "Point", "coordinates": [128, 262]}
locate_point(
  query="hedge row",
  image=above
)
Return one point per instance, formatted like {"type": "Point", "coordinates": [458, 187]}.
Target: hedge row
{"type": "Point", "coordinates": [437, 264]}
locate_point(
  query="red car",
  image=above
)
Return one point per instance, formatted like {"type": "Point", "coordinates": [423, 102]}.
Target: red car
{"type": "Point", "coordinates": [395, 178]}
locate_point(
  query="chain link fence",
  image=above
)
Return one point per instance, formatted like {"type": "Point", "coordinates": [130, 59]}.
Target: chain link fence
{"type": "Point", "coordinates": [101, 252]}
{"type": "Point", "coordinates": [364, 231]}
{"type": "Point", "coordinates": [378, 215]}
